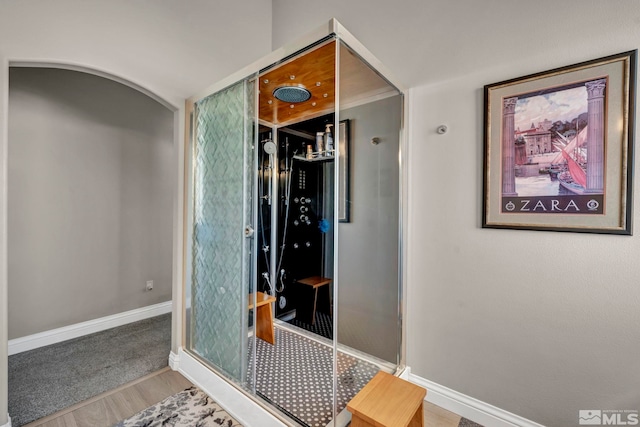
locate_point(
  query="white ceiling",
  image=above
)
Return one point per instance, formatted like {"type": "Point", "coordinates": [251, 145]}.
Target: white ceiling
{"type": "Point", "coordinates": [174, 48]}
{"type": "Point", "coordinates": [426, 41]}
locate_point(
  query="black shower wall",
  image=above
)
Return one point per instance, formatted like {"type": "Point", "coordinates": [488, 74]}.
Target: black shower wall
{"type": "Point", "coordinates": [301, 203]}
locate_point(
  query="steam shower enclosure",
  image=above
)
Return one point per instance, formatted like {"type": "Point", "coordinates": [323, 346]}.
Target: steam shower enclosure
{"type": "Point", "coordinates": [293, 236]}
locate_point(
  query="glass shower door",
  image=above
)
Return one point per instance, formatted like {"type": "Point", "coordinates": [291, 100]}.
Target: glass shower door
{"type": "Point", "coordinates": [369, 215]}
{"type": "Point", "coordinates": [222, 221]}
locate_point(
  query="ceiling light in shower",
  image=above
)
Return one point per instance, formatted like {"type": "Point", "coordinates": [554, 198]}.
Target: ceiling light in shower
{"type": "Point", "coordinates": [292, 94]}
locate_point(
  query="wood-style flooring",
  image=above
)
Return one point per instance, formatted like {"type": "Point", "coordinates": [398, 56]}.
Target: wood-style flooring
{"type": "Point", "coordinates": [435, 416]}
{"type": "Point", "coordinates": [116, 405]}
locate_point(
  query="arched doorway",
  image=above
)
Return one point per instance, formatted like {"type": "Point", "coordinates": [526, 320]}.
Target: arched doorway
{"type": "Point", "coordinates": [132, 128]}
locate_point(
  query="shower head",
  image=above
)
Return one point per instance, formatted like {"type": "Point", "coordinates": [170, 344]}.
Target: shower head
{"type": "Point", "coordinates": [292, 94]}
{"type": "Point", "coordinates": [269, 147]}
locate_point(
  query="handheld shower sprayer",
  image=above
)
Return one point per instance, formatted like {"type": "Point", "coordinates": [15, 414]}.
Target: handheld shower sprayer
{"type": "Point", "coordinates": [270, 148]}
{"type": "Point", "coordinates": [265, 275]}
{"type": "Point", "coordinates": [281, 279]}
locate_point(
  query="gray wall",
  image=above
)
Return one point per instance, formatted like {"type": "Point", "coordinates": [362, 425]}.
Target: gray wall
{"type": "Point", "coordinates": [541, 341]}
{"type": "Point", "coordinates": [368, 245]}
{"type": "Point", "coordinates": [4, 95]}
{"type": "Point", "coordinates": [90, 199]}
{"type": "Point", "coordinates": [541, 324]}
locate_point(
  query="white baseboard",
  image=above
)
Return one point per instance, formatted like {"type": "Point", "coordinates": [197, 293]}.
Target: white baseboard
{"type": "Point", "coordinates": [239, 406]}
{"type": "Point", "coordinates": [469, 407]}
{"type": "Point", "coordinates": [406, 372]}
{"type": "Point", "coordinates": [174, 361]}
{"type": "Point", "coordinates": [8, 424]}
{"type": "Point", "coordinates": [54, 336]}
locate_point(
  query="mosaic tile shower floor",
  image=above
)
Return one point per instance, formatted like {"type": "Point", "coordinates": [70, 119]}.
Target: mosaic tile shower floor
{"type": "Point", "coordinates": [296, 376]}
{"type": "Point", "coordinates": [323, 325]}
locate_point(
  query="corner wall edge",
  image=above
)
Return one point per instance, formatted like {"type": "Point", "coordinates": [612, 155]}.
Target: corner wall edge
{"type": "Point", "coordinates": [174, 361]}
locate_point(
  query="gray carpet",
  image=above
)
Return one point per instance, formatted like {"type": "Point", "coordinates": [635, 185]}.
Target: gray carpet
{"type": "Point", "coordinates": [468, 423]}
{"type": "Point", "coordinates": [48, 379]}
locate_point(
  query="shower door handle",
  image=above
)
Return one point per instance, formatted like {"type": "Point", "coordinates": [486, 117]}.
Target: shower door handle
{"type": "Point", "coordinates": [248, 231]}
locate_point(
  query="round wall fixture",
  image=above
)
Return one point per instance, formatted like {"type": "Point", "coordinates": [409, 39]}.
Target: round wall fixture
{"type": "Point", "coordinates": [292, 94]}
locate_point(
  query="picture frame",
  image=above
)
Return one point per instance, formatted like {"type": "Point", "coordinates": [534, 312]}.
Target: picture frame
{"type": "Point", "coordinates": [344, 186]}
{"type": "Point", "coordinates": [558, 148]}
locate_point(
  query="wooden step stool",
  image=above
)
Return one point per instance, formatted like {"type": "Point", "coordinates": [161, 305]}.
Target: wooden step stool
{"type": "Point", "coordinates": [264, 316]}
{"type": "Point", "coordinates": [388, 401]}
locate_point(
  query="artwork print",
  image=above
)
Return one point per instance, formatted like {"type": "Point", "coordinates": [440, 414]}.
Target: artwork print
{"type": "Point", "coordinates": [557, 146]}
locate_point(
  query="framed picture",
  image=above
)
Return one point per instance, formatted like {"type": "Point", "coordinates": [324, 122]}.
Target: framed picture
{"type": "Point", "coordinates": [558, 149]}
{"type": "Point", "coordinates": [344, 196]}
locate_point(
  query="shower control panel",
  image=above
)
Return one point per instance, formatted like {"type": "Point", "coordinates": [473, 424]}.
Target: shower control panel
{"type": "Point", "coordinates": [302, 180]}
{"type": "Point", "coordinates": [303, 207]}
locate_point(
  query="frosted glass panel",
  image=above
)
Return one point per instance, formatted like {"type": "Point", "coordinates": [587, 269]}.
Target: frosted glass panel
{"type": "Point", "coordinates": [221, 254]}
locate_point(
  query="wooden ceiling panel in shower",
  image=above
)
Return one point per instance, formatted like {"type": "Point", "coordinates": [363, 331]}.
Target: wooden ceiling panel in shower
{"type": "Point", "coordinates": [314, 71]}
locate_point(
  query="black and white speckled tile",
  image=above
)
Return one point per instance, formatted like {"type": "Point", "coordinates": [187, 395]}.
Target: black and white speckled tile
{"type": "Point", "coordinates": [323, 325]}
{"type": "Point", "coordinates": [296, 374]}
